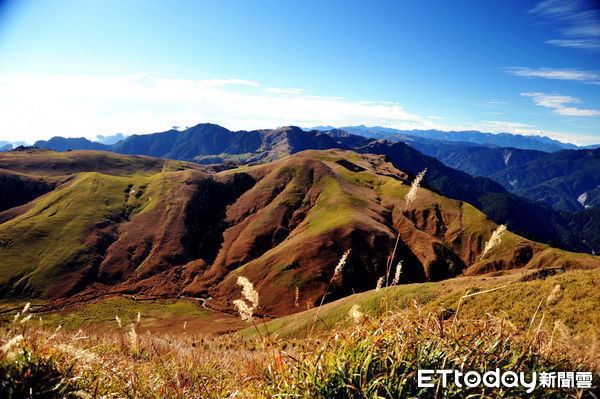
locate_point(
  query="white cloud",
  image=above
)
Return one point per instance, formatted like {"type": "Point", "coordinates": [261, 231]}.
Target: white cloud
{"type": "Point", "coordinates": [39, 107]}
{"type": "Point", "coordinates": [558, 103]}
{"type": "Point", "coordinates": [497, 102]}
{"type": "Point", "coordinates": [434, 117]}
{"type": "Point", "coordinates": [334, 98]}
{"type": "Point", "coordinates": [284, 91]}
{"type": "Point", "coordinates": [561, 74]}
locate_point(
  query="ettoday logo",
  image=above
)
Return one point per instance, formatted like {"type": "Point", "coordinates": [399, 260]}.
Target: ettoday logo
{"type": "Point", "coordinates": [507, 379]}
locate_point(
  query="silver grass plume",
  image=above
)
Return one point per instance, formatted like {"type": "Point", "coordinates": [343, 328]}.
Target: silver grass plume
{"type": "Point", "coordinates": [244, 310]}
{"type": "Point", "coordinates": [246, 307]}
{"type": "Point", "coordinates": [412, 194]}
{"type": "Point", "coordinates": [340, 266]}
{"type": "Point", "coordinates": [355, 313]}
{"type": "Point", "coordinates": [248, 291]}
{"type": "Point", "coordinates": [11, 348]}
{"type": "Point", "coordinates": [397, 274]}
{"type": "Point", "coordinates": [379, 283]}
{"type": "Point", "coordinates": [494, 240]}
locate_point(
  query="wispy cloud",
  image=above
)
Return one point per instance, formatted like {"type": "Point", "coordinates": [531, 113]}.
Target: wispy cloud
{"type": "Point", "coordinates": [557, 73]}
{"type": "Point", "coordinates": [434, 117]}
{"type": "Point", "coordinates": [578, 22]}
{"type": "Point", "coordinates": [590, 44]}
{"type": "Point", "coordinates": [284, 91]}
{"type": "Point", "coordinates": [559, 103]}
{"type": "Point", "coordinates": [494, 102]}
{"type": "Point", "coordinates": [326, 98]}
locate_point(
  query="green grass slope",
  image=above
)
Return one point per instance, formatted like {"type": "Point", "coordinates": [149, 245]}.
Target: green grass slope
{"type": "Point", "coordinates": [565, 302]}
{"type": "Point", "coordinates": [43, 244]}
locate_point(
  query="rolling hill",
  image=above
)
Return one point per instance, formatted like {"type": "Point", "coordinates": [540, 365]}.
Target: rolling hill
{"type": "Point", "coordinates": [155, 227]}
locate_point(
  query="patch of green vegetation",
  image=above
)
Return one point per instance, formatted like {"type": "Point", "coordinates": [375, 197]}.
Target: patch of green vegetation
{"type": "Point", "coordinates": [335, 314]}
{"type": "Point", "coordinates": [49, 237]}
{"type": "Point", "coordinates": [379, 357]}
{"type": "Point", "coordinates": [291, 197]}
{"type": "Point", "coordinates": [45, 373]}
{"type": "Point", "coordinates": [334, 207]}
{"type": "Point", "coordinates": [574, 304]}
{"type": "Point", "coordinates": [48, 240]}
{"type": "Point", "coordinates": [290, 278]}
{"type": "Point", "coordinates": [7, 306]}
{"type": "Point", "coordinates": [126, 309]}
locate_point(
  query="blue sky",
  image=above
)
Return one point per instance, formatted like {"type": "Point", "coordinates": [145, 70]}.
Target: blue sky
{"type": "Point", "coordinates": [83, 68]}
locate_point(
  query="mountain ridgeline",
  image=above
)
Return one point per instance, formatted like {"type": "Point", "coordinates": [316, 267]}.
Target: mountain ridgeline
{"type": "Point", "coordinates": [499, 199]}
{"type": "Point", "coordinates": [473, 137]}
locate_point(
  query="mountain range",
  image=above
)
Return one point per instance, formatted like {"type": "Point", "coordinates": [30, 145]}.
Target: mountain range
{"type": "Point", "coordinates": [567, 180]}
{"type": "Point", "coordinates": [102, 223]}
{"type": "Point", "coordinates": [211, 144]}
{"type": "Point", "coordinates": [526, 142]}
{"type": "Point", "coordinates": [572, 187]}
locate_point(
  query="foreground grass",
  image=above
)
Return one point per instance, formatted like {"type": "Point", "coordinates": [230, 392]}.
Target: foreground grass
{"type": "Point", "coordinates": [567, 301]}
{"type": "Point", "coordinates": [375, 357]}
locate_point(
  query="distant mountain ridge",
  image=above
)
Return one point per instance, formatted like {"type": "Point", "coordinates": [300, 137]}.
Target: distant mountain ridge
{"type": "Point", "coordinates": [567, 180]}
{"type": "Point", "coordinates": [209, 143]}
{"type": "Point", "coordinates": [206, 143]}
{"type": "Point", "coordinates": [541, 143]}
{"type": "Point", "coordinates": [8, 145]}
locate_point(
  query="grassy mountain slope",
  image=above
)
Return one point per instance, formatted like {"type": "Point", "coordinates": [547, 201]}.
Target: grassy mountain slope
{"type": "Point", "coordinates": [513, 296]}
{"type": "Point", "coordinates": [41, 162]}
{"type": "Point", "coordinates": [179, 230]}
